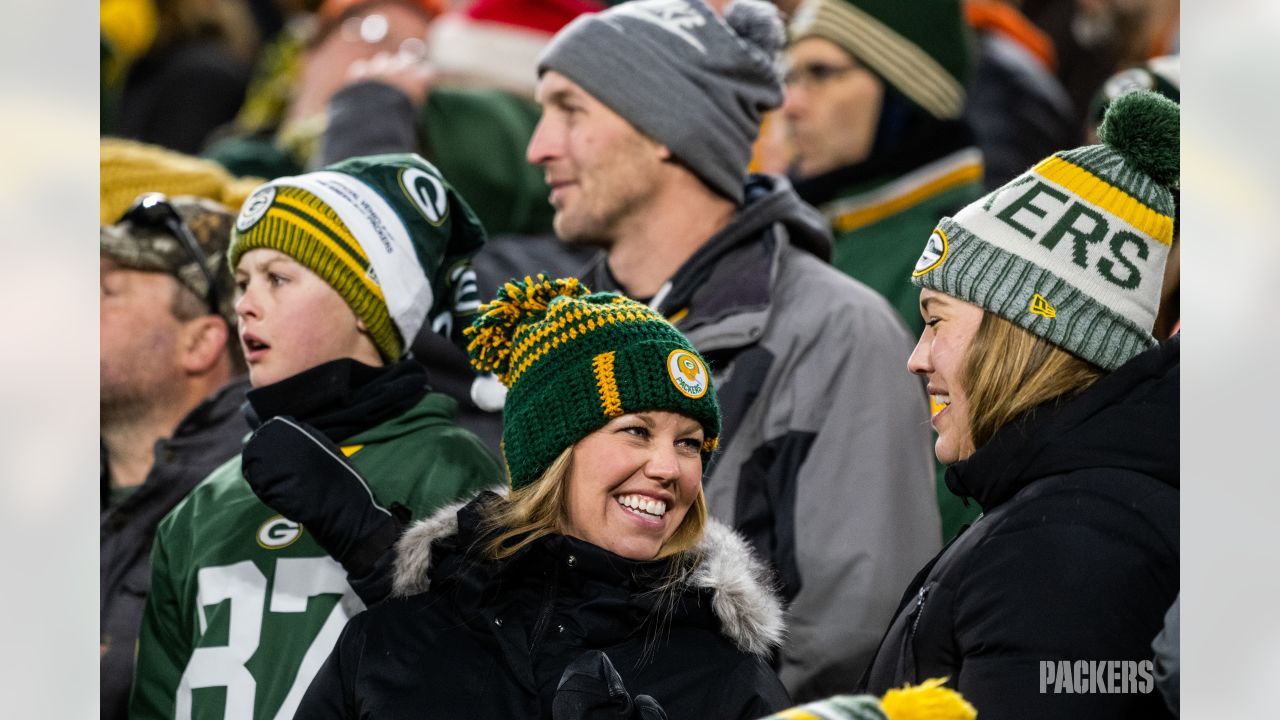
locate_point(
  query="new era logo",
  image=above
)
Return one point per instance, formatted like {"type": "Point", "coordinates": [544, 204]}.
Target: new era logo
{"type": "Point", "coordinates": [1041, 307]}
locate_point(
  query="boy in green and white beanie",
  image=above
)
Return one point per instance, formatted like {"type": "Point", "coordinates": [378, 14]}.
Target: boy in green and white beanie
{"type": "Point", "coordinates": [388, 232]}
{"type": "Point", "coordinates": [1073, 249]}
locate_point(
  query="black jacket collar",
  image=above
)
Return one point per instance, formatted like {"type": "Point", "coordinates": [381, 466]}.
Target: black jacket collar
{"type": "Point", "coordinates": [1126, 420]}
{"type": "Point", "coordinates": [341, 398]}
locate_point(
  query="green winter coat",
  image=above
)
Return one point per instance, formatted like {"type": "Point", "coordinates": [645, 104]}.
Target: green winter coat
{"type": "Point", "coordinates": [245, 606]}
{"type": "Point", "coordinates": [881, 226]}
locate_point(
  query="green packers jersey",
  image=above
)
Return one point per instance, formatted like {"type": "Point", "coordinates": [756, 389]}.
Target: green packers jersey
{"type": "Point", "coordinates": [245, 606]}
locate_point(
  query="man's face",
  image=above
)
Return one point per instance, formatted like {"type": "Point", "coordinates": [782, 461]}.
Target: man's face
{"type": "Point", "coordinates": [139, 336]}
{"type": "Point", "coordinates": [832, 106]}
{"type": "Point", "coordinates": [601, 169]}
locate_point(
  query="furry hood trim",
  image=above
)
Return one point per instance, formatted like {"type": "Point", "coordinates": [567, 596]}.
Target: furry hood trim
{"type": "Point", "coordinates": [744, 598]}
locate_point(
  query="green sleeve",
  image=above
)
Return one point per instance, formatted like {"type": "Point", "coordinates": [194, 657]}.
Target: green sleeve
{"type": "Point", "coordinates": [477, 138]}
{"type": "Point", "coordinates": [162, 651]}
{"type": "Point", "coordinates": [463, 468]}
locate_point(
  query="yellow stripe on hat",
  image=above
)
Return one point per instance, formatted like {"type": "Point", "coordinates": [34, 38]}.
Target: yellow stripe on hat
{"type": "Point", "coordinates": [334, 248]}
{"type": "Point", "coordinates": [317, 217]}
{"type": "Point", "coordinates": [1099, 192]}
{"type": "Point", "coordinates": [607, 385]}
{"type": "Point", "coordinates": [864, 216]}
{"type": "Point", "coordinates": [912, 70]}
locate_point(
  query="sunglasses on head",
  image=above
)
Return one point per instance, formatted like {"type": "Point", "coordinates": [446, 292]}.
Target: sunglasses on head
{"type": "Point", "coordinates": [153, 211]}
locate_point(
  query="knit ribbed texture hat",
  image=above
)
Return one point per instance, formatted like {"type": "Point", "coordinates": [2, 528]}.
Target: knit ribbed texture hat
{"type": "Point", "coordinates": [923, 48]}
{"type": "Point", "coordinates": [694, 82]}
{"type": "Point", "coordinates": [1073, 250]}
{"type": "Point", "coordinates": [155, 249]}
{"type": "Point", "coordinates": [574, 360]}
{"type": "Point", "coordinates": [388, 232]}
{"type": "Point", "coordinates": [127, 169]}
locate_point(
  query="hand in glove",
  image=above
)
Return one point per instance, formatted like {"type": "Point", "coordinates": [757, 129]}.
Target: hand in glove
{"type": "Point", "coordinates": [298, 472]}
{"type": "Point", "coordinates": [591, 689]}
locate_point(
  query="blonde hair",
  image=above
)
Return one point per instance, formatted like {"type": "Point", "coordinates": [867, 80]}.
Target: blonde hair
{"type": "Point", "coordinates": [540, 508]}
{"type": "Point", "coordinates": [1008, 370]}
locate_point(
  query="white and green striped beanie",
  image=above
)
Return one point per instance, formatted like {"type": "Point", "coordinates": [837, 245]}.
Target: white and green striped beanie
{"type": "Point", "coordinates": [1073, 250]}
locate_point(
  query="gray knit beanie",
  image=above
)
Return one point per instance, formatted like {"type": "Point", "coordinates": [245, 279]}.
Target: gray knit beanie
{"type": "Point", "coordinates": [1073, 250]}
{"type": "Point", "coordinates": [681, 75]}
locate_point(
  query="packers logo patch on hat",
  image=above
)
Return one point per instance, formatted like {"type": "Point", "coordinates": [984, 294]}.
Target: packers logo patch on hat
{"type": "Point", "coordinates": [255, 207]}
{"type": "Point", "coordinates": [935, 251]}
{"type": "Point", "coordinates": [427, 193]}
{"type": "Point", "coordinates": [687, 373]}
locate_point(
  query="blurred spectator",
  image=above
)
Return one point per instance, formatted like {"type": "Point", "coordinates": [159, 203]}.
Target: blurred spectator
{"type": "Point", "coordinates": [332, 275]}
{"type": "Point", "coordinates": [1168, 658]}
{"type": "Point", "coordinates": [385, 40]}
{"type": "Point", "coordinates": [170, 397]}
{"type": "Point", "coordinates": [1163, 75]}
{"type": "Point", "coordinates": [495, 43]}
{"type": "Point", "coordinates": [1096, 38]}
{"type": "Point", "coordinates": [874, 101]}
{"type": "Point", "coordinates": [824, 461]}
{"type": "Point", "coordinates": [192, 76]}
{"type": "Point", "coordinates": [1018, 109]}
{"type": "Point", "coordinates": [127, 169]}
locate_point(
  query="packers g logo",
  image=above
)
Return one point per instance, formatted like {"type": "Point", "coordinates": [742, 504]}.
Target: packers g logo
{"type": "Point", "coordinates": [255, 207]}
{"type": "Point", "coordinates": [687, 373]}
{"type": "Point", "coordinates": [427, 193]}
{"type": "Point", "coordinates": [935, 251]}
{"type": "Point", "coordinates": [278, 532]}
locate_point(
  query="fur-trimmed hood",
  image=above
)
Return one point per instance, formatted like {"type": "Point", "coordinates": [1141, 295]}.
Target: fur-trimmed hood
{"type": "Point", "coordinates": [743, 595]}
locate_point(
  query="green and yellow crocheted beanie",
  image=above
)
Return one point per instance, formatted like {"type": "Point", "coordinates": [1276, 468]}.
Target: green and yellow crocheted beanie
{"type": "Point", "coordinates": [572, 360]}
{"type": "Point", "coordinates": [387, 232]}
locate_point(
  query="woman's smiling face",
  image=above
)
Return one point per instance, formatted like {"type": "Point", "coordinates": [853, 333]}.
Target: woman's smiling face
{"type": "Point", "coordinates": [939, 355]}
{"type": "Point", "coordinates": [633, 481]}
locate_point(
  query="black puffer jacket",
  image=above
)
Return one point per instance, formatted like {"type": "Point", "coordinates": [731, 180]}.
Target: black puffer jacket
{"type": "Point", "coordinates": [488, 639]}
{"type": "Point", "coordinates": [1075, 556]}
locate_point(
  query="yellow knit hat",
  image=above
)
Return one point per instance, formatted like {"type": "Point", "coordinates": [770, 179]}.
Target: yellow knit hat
{"type": "Point", "coordinates": [129, 169]}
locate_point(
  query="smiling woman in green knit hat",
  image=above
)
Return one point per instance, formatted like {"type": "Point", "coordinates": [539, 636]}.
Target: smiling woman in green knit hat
{"type": "Point", "coordinates": [603, 541]}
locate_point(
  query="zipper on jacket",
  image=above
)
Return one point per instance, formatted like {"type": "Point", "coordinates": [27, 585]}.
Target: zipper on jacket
{"type": "Point", "coordinates": [921, 597]}
{"type": "Point", "coordinates": [545, 610]}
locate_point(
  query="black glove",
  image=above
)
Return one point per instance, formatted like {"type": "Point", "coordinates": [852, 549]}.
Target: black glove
{"type": "Point", "coordinates": [298, 472]}
{"type": "Point", "coordinates": [591, 689]}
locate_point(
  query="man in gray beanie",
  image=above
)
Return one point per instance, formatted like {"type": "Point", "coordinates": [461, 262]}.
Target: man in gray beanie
{"type": "Point", "coordinates": [649, 113]}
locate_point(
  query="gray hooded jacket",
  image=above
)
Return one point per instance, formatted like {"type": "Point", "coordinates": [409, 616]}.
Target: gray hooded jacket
{"type": "Point", "coordinates": [825, 462]}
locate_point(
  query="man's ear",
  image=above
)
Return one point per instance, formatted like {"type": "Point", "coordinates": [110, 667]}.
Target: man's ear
{"type": "Point", "coordinates": [204, 341]}
{"type": "Point", "coordinates": [361, 326]}
{"type": "Point", "coordinates": [664, 153]}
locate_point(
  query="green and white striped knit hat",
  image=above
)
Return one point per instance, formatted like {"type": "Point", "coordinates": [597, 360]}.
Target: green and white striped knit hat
{"type": "Point", "coordinates": [388, 232]}
{"type": "Point", "coordinates": [1073, 250]}
{"type": "Point", "coordinates": [573, 360]}
{"type": "Point", "coordinates": [923, 48]}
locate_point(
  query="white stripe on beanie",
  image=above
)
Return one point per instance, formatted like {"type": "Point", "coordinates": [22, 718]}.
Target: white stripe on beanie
{"type": "Point", "coordinates": [383, 237]}
{"type": "Point", "coordinates": [1134, 303]}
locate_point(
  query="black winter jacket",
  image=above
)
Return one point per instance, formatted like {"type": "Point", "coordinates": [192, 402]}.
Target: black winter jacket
{"type": "Point", "coordinates": [484, 639]}
{"type": "Point", "coordinates": [1074, 558]}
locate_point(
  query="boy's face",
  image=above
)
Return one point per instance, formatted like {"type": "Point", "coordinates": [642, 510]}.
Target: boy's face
{"type": "Point", "coordinates": [291, 320]}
